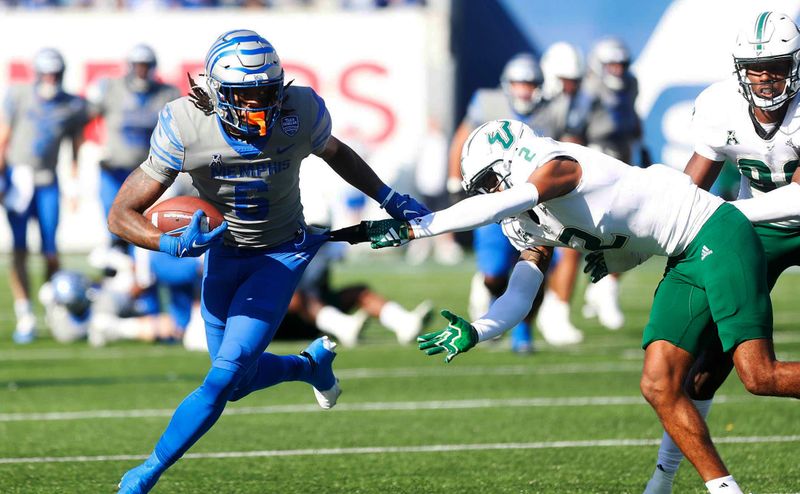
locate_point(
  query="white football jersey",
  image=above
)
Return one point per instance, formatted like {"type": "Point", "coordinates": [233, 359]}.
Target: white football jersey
{"type": "Point", "coordinates": [655, 211]}
{"type": "Point", "coordinates": [723, 130]}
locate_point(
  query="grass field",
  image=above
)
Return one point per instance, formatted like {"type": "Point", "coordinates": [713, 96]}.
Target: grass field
{"type": "Point", "coordinates": [73, 418]}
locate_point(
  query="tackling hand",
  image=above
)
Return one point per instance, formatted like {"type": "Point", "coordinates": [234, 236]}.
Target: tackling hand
{"type": "Point", "coordinates": [458, 337]}
{"type": "Point", "coordinates": [596, 266]}
{"type": "Point", "coordinates": [193, 242]}
{"type": "Point", "coordinates": [387, 233]}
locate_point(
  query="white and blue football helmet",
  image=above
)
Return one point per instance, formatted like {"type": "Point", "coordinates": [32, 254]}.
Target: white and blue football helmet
{"type": "Point", "coordinates": [238, 63]}
{"type": "Point", "coordinates": [71, 289]}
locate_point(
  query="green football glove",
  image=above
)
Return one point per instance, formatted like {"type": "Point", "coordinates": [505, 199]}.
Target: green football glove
{"type": "Point", "coordinates": [387, 233]}
{"type": "Point", "coordinates": [458, 337]}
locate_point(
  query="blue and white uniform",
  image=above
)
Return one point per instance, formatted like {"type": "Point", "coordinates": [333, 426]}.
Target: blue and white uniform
{"type": "Point", "coordinates": [248, 280]}
{"type": "Point", "coordinates": [38, 127]}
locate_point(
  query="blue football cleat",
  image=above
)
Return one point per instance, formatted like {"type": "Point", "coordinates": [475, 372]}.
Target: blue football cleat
{"type": "Point", "coordinates": [141, 479]}
{"type": "Point", "coordinates": [326, 387]}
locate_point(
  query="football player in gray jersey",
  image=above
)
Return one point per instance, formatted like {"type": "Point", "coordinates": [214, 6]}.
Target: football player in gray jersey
{"type": "Point", "coordinates": [242, 140]}
{"type": "Point", "coordinates": [34, 120]}
{"type": "Point", "coordinates": [130, 106]}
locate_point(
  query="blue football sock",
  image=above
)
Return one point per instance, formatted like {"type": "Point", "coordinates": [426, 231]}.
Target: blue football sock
{"type": "Point", "coordinates": [271, 369]}
{"type": "Point", "coordinates": [195, 415]}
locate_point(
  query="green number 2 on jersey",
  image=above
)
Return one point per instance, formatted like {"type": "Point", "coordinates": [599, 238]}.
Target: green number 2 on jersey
{"type": "Point", "coordinates": [761, 177]}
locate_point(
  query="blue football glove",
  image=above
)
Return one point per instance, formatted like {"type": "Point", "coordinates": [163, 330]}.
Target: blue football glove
{"type": "Point", "coordinates": [193, 242]}
{"type": "Point", "coordinates": [401, 207]}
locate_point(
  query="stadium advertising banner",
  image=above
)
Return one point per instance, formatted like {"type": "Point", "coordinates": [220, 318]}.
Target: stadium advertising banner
{"type": "Point", "coordinates": [375, 84]}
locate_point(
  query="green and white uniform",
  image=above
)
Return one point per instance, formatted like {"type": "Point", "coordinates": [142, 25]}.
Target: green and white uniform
{"type": "Point", "coordinates": [725, 131]}
{"type": "Point", "coordinates": [654, 211]}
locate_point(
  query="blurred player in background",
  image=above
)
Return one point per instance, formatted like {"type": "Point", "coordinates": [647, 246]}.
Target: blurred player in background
{"type": "Point", "coordinates": [35, 119]}
{"type": "Point", "coordinates": [316, 306]}
{"type": "Point", "coordinates": [315, 302]}
{"type": "Point", "coordinates": [66, 301]}
{"type": "Point", "coordinates": [520, 97]}
{"type": "Point", "coordinates": [550, 193]}
{"type": "Point", "coordinates": [129, 106]}
{"type": "Point", "coordinates": [607, 117]}
{"type": "Point", "coordinates": [242, 139]}
{"type": "Point", "coordinates": [564, 67]}
{"type": "Point", "coordinates": [754, 121]}
{"type": "Point", "coordinates": [430, 178]}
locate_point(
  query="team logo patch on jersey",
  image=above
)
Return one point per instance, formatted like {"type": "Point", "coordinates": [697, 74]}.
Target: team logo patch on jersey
{"type": "Point", "coordinates": [290, 124]}
{"type": "Point", "coordinates": [731, 138]}
{"type": "Point", "coordinates": [216, 159]}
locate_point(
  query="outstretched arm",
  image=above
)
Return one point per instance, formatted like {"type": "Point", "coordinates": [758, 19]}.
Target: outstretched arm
{"type": "Point", "coordinates": [780, 204]}
{"type": "Point", "coordinates": [555, 178]}
{"type": "Point", "coordinates": [506, 312]}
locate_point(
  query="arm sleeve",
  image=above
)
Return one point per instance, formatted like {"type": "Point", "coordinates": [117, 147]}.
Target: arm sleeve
{"type": "Point", "coordinates": [166, 149]}
{"type": "Point", "coordinates": [477, 211]}
{"type": "Point", "coordinates": [780, 204]}
{"type": "Point", "coordinates": [321, 130]}
{"type": "Point", "coordinates": [515, 303]}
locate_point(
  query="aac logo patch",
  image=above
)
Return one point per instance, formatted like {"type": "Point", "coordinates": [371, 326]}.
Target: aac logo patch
{"type": "Point", "coordinates": [290, 124]}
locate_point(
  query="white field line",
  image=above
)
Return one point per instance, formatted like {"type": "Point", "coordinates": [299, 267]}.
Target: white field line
{"type": "Point", "coordinates": [380, 406]}
{"type": "Point", "coordinates": [433, 448]}
{"type": "Point", "coordinates": [87, 353]}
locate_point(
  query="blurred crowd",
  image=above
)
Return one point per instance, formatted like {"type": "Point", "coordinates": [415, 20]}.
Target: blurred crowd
{"type": "Point", "coordinates": [206, 4]}
{"type": "Point", "coordinates": [566, 95]}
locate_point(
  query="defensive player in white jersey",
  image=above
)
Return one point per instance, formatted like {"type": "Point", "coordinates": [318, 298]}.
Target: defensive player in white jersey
{"type": "Point", "coordinates": [548, 193]}
{"type": "Point", "coordinates": [752, 120]}
{"type": "Point", "coordinates": [242, 140]}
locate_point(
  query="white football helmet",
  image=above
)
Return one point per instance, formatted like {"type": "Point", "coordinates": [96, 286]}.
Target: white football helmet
{"type": "Point", "coordinates": [140, 79]}
{"type": "Point", "coordinates": [773, 37]}
{"type": "Point", "coordinates": [48, 61]}
{"type": "Point", "coordinates": [237, 63]}
{"type": "Point", "coordinates": [607, 51]}
{"type": "Point", "coordinates": [487, 155]}
{"type": "Point", "coordinates": [562, 60]}
{"type": "Point", "coordinates": [522, 67]}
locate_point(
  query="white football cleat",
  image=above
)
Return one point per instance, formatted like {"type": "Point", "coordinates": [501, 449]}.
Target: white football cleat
{"type": "Point", "coordinates": [602, 300]}
{"type": "Point", "coordinates": [554, 324]}
{"type": "Point", "coordinates": [326, 386]}
{"type": "Point", "coordinates": [407, 330]}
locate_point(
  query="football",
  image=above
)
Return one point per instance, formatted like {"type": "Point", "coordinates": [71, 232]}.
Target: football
{"type": "Point", "coordinates": [173, 215]}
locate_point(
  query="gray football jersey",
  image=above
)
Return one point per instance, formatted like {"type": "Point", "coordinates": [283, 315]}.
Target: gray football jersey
{"type": "Point", "coordinates": [130, 118]}
{"type": "Point", "coordinates": [607, 117]}
{"type": "Point", "coordinates": [38, 126]}
{"type": "Point", "coordinates": [492, 104]}
{"type": "Point", "coordinates": [254, 185]}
